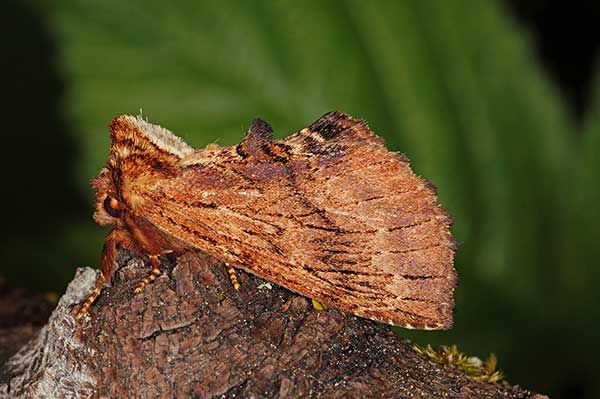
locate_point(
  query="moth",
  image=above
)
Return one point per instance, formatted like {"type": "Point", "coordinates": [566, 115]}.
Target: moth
{"type": "Point", "coordinates": [327, 212]}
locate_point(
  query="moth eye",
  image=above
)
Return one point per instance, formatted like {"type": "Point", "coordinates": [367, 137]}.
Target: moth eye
{"type": "Point", "coordinates": [112, 206]}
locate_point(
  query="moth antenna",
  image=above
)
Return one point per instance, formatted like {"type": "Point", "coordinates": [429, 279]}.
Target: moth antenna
{"type": "Point", "coordinates": [257, 140]}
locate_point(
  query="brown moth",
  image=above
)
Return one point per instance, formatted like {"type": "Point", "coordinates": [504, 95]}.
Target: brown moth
{"type": "Point", "coordinates": [328, 212]}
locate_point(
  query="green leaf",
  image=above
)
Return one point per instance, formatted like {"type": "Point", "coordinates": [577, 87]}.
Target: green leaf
{"type": "Point", "coordinates": [581, 256]}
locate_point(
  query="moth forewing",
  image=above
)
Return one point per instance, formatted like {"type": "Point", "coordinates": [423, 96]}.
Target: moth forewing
{"type": "Point", "coordinates": [329, 213]}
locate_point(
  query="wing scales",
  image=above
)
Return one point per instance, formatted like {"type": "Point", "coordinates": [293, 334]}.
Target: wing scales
{"type": "Point", "coordinates": [339, 219]}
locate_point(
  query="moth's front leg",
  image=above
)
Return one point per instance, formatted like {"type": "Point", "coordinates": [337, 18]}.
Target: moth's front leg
{"type": "Point", "coordinates": [116, 237]}
{"type": "Point", "coordinates": [156, 272]}
{"type": "Point", "coordinates": [152, 276]}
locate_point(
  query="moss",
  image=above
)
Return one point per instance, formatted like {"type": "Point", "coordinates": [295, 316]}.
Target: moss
{"type": "Point", "coordinates": [474, 367]}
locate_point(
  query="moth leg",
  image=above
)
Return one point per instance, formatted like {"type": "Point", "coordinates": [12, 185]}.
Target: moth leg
{"type": "Point", "coordinates": [232, 276]}
{"type": "Point", "coordinates": [108, 261]}
{"type": "Point", "coordinates": [95, 294]}
{"type": "Point", "coordinates": [152, 276]}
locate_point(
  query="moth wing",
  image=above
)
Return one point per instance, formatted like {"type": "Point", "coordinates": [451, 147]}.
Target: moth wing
{"type": "Point", "coordinates": [328, 212]}
{"type": "Point", "coordinates": [393, 243]}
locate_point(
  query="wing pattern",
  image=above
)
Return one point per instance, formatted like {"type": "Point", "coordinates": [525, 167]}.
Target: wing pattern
{"type": "Point", "coordinates": [328, 212]}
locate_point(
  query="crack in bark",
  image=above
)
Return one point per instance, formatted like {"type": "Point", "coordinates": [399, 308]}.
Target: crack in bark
{"type": "Point", "coordinates": [162, 330]}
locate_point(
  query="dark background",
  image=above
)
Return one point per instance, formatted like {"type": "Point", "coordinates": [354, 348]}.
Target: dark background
{"type": "Point", "coordinates": [547, 344]}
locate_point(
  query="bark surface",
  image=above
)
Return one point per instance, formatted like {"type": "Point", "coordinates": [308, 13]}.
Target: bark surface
{"type": "Point", "coordinates": [191, 334]}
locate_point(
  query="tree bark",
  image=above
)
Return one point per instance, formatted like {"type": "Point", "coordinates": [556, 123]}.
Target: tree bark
{"type": "Point", "coordinates": [191, 334]}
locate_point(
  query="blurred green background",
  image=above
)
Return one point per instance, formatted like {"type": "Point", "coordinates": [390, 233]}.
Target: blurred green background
{"type": "Point", "coordinates": [495, 102]}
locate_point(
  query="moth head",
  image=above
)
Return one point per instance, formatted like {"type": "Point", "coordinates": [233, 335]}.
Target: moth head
{"type": "Point", "coordinates": [109, 206]}
{"type": "Point", "coordinates": [141, 155]}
